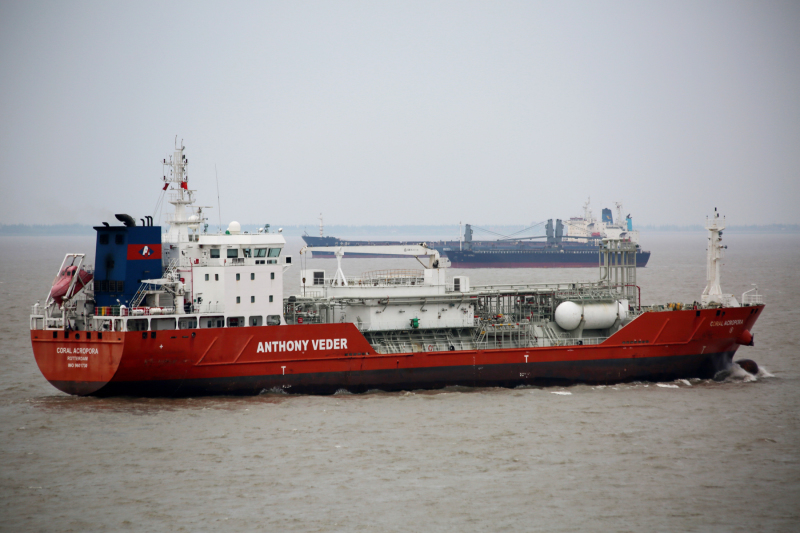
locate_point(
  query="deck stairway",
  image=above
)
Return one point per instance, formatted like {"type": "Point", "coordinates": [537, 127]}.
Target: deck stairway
{"type": "Point", "coordinates": [149, 288]}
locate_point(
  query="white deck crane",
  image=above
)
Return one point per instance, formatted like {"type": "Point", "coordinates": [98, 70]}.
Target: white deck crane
{"type": "Point", "coordinates": [410, 250]}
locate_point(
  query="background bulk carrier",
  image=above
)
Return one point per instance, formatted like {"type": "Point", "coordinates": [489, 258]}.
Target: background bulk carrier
{"type": "Point", "coordinates": [575, 243]}
{"type": "Point", "coordinates": [186, 312]}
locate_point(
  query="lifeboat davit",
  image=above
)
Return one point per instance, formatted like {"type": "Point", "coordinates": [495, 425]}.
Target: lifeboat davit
{"type": "Point", "coordinates": [62, 283]}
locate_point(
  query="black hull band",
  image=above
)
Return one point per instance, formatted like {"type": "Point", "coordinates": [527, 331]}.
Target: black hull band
{"type": "Point", "coordinates": [594, 372]}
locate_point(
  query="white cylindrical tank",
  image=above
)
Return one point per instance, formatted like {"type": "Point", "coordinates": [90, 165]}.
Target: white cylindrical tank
{"type": "Point", "coordinates": [595, 315]}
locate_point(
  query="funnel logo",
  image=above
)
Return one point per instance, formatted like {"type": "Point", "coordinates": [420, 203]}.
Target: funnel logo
{"type": "Point", "coordinates": [144, 251]}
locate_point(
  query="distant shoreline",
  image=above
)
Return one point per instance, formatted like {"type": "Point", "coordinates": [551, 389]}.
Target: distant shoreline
{"type": "Point", "coordinates": [399, 232]}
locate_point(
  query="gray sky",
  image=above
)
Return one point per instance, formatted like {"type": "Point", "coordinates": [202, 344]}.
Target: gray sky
{"type": "Point", "coordinates": [403, 112]}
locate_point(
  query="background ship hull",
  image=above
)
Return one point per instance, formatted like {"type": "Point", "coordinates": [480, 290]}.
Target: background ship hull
{"type": "Point", "coordinates": [489, 254]}
{"type": "Point", "coordinates": [532, 259]}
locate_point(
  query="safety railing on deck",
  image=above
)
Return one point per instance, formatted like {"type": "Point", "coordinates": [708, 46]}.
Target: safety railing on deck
{"type": "Point", "coordinates": [381, 278]}
{"type": "Point", "coordinates": [133, 311]}
{"type": "Point", "coordinates": [175, 239]}
{"type": "Point", "coordinates": [487, 343]}
{"type": "Point", "coordinates": [752, 297]}
{"type": "Point", "coordinates": [209, 308]}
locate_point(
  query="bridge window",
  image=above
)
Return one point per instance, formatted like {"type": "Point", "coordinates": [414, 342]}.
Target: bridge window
{"type": "Point", "coordinates": [104, 238]}
{"type": "Point", "coordinates": [274, 252]}
{"type": "Point", "coordinates": [215, 253]}
{"type": "Point", "coordinates": [261, 252]}
{"type": "Point", "coordinates": [233, 252]}
{"type": "Point", "coordinates": [246, 252]}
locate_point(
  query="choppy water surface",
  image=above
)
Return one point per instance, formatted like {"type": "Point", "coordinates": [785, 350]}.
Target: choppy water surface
{"type": "Point", "coordinates": [695, 456]}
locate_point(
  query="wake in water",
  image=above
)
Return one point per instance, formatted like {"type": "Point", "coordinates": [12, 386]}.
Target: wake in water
{"type": "Point", "coordinates": [273, 390]}
{"type": "Point", "coordinates": [736, 372]}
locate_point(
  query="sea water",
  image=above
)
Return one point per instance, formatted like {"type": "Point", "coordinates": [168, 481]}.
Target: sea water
{"type": "Point", "coordinates": [688, 455]}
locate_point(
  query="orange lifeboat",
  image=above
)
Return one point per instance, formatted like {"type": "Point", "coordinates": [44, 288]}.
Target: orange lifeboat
{"type": "Point", "coordinates": [62, 284]}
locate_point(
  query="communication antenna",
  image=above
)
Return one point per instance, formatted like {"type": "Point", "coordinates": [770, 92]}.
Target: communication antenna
{"type": "Point", "coordinates": [219, 204]}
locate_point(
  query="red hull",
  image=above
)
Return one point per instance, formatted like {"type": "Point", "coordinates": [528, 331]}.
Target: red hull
{"type": "Point", "coordinates": [655, 346]}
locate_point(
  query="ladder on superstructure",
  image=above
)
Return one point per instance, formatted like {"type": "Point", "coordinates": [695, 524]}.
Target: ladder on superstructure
{"type": "Point", "coordinates": [480, 334]}
{"type": "Point", "coordinates": [144, 288]}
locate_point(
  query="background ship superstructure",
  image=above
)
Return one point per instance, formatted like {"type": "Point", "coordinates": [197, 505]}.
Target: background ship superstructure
{"type": "Point", "coordinates": [574, 243]}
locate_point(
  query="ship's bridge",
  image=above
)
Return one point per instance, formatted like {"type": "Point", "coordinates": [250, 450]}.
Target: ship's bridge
{"type": "Point", "coordinates": [225, 249]}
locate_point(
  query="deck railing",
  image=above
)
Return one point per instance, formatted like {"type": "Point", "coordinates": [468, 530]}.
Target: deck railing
{"type": "Point", "coordinates": [383, 347]}
{"type": "Point", "coordinates": [380, 278]}
{"type": "Point", "coordinates": [752, 299]}
{"type": "Point", "coordinates": [133, 311]}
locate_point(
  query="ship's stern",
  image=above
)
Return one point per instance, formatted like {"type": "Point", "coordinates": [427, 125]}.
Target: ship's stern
{"type": "Point", "coordinates": [78, 362]}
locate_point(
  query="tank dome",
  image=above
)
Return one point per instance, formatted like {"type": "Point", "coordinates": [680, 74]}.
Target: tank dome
{"type": "Point", "coordinates": [234, 228]}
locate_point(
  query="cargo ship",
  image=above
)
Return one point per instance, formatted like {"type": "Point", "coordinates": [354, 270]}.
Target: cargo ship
{"type": "Point", "coordinates": [181, 312]}
{"type": "Point", "coordinates": [572, 244]}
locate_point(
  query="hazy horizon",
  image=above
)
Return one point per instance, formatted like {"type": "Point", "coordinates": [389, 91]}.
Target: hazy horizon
{"type": "Point", "coordinates": [403, 113]}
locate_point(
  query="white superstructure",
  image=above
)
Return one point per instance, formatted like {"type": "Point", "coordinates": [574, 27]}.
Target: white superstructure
{"type": "Point", "coordinates": [581, 229]}
{"type": "Point", "coordinates": [224, 279]}
{"type": "Point", "coordinates": [235, 274]}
